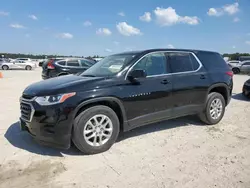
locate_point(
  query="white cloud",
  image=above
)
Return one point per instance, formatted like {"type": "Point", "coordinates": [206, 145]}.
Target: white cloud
{"type": "Point", "coordinates": [87, 23]}
{"type": "Point", "coordinates": [127, 30]}
{"type": "Point", "coordinates": [170, 46]}
{"type": "Point", "coordinates": [33, 17]}
{"type": "Point", "coordinates": [248, 42]}
{"type": "Point", "coordinates": [146, 17]}
{"type": "Point", "coordinates": [116, 43]}
{"type": "Point", "coordinates": [108, 50]}
{"type": "Point", "coordinates": [236, 19]}
{"type": "Point", "coordinates": [168, 17]}
{"type": "Point", "coordinates": [233, 47]}
{"type": "Point", "coordinates": [121, 14]}
{"type": "Point", "coordinates": [231, 9]}
{"type": "Point", "coordinates": [103, 31]}
{"type": "Point", "coordinates": [228, 9]}
{"type": "Point", "coordinates": [215, 12]}
{"type": "Point", "coordinates": [65, 35]}
{"type": "Point", "coordinates": [3, 13]}
{"type": "Point", "coordinates": [17, 26]}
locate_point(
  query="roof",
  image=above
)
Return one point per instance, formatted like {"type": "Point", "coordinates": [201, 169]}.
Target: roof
{"type": "Point", "coordinates": [163, 49]}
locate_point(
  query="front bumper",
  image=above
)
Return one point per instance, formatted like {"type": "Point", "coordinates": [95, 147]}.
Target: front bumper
{"type": "Point", "coordinates": [48, 125]}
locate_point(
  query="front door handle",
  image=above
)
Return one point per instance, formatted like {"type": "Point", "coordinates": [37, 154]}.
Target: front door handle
{"type": "Point", "coordinates": [165, 82]}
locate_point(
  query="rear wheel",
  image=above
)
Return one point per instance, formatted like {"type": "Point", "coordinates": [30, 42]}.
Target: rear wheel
{"type": "Point", "coordinates": [95, 129]}
{"type": "Point", "coordinates": [28, 67]}
{"type": "Point", "coordinates": [5, 67]}
{"type": "Point", "coordinates": [236, 70]}
{"type": "Point", "coordinates": [214, 109]}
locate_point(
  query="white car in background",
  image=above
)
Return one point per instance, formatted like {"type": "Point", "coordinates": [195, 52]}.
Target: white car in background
{"type": "Point", "coordinates": [17, 64]}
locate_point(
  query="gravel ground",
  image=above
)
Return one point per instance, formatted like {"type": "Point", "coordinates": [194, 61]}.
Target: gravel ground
{"type": "Point", "coordinates": [177, 153]}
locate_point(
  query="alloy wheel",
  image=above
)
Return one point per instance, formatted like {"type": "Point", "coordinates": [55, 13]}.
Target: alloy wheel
{"type": "Point", "coordinates": [216, 108]}
{"type": "Point", "coordinates": [98, 130]}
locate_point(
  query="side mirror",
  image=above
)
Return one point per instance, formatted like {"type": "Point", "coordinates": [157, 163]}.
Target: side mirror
{"type": "Point", "coordinates": [134, 74]}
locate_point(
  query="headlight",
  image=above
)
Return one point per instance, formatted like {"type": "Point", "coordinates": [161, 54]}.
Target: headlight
{"type": "Point", "coordinates": [53, 99]}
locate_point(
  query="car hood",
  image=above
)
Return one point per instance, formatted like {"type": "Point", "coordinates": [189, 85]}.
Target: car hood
{"type": "Point", "coordinates": [63, 84]}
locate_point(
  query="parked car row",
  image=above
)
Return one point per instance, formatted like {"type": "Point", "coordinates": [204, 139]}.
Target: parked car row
{"type": "Point", "coordinates": [17, 64]}
{"type": "Point", "coordinates": [240, 66]}
{"type": "Point", "coordinates": [60, 66]}
{"type": "Point", "coordinates": [122, 92]}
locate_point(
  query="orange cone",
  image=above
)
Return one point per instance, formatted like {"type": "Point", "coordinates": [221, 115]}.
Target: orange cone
{"type": "Point", "coordinates": [1, 75]}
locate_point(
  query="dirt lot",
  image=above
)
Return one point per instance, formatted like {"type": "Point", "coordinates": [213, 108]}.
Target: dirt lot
{"type": "Point", "coordinates": [177, 153]}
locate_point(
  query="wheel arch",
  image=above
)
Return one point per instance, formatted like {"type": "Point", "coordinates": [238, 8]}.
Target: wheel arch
{"type": "Point", "coordinates": [112, 102]}
{"type": "Point", "coordinates": [220, 88]}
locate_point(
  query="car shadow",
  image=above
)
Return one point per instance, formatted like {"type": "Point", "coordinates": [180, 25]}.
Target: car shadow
{"type": "Point", "coordinates": [239, 97]}
{"type": "Point", "coordinates": [157, 127]}
{"type": "Point", "coordinates": [23, 140]}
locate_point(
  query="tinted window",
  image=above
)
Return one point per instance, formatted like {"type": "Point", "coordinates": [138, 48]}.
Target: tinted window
{"type": "Point", "coordinates": [180, 62]}
{"type": "Point", "coordinates": [194, 61]}
{"type": "Point", "coordinates": [73, 63]}
{"type": "Point", "coordinates": [63, 63]}
{"type": "Point", "coordinates": [85, 63]}
{"type": "Point", "coordinates": [212, 60]}
{"type": "Point", "coordinates": [153, 64]}
{"type": "Point", "coordinates": [246, 63]}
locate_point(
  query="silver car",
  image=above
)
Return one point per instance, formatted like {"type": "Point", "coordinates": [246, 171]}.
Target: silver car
{"type": "Point", "coordinates": [17, 64]}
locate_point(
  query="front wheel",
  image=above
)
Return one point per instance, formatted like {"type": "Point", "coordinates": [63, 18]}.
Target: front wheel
{"type": "Point", "coordinates": [95, 129]}
{"type": "Point", "coordinates": [214, 109]}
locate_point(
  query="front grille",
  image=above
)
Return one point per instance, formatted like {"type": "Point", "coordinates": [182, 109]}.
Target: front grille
{"type": "Point", "coordinates": [26, 111]}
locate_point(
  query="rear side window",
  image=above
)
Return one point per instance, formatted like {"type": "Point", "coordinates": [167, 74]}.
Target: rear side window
{"type": "Point", "coordinates": [247, 63]}
{"type": "Point", "coordinates": [182, 62]}
{"type": "Point", "coordinates": [212, 60]}
{"type": "Point", "coordinates": [73, 63]}
{"type": "Point", "coordinates": [62, 63]}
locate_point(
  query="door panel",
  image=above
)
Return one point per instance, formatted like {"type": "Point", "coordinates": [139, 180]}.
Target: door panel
{"type": "Point", "coordinates": [190, 83]}
{"type": "Point", "coordinates": [151, 99]}
{"type": "Point", "coordinates": [245, 67]}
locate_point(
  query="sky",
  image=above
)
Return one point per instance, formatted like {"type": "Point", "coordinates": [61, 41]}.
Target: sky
{"type": "Point", "coordinates": [83, 28]}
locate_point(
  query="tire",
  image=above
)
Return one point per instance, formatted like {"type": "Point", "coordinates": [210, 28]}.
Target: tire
{"type": "Point", "coordinates": [28, 67]}
{"type": "Point", "coordinates": [81, 123]}
{"type": "Point", "coordinates": [5, 67]}
{"type": "Point", "coordinates": [236, 70]}
{"type": "Point", "coordinates": [206, 116]}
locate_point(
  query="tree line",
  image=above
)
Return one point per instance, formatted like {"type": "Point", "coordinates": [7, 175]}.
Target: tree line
{"type": "Point", "coordinates": [41, 56]}
{"type": "Point", "coordinates": [235, 56]}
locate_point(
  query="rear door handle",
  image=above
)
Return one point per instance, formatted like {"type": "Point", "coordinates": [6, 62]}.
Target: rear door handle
{"type": "Point", "coordinates": [203, 77]}
{"type": "Point", "coordinates": [165, 82]}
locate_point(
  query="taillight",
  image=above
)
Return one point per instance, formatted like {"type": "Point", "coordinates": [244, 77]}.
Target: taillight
{"type": "Point", "coordinates": [50, 65]}
{"type": "Point", "coordinates": [230, 73]}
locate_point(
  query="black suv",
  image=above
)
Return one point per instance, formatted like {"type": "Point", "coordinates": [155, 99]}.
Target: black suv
{"type": "Point", "coordinates": [125, 91]}
{"type": "Point", "coordinates": [60, 67]}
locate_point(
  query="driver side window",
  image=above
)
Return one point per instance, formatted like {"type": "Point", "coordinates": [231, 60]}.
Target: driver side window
{"type": "Point", "coordinates": [153, 64]}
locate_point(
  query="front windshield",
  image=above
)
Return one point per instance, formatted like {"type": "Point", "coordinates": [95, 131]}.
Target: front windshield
{"type": "Point", "coordinates": [109, 66]}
